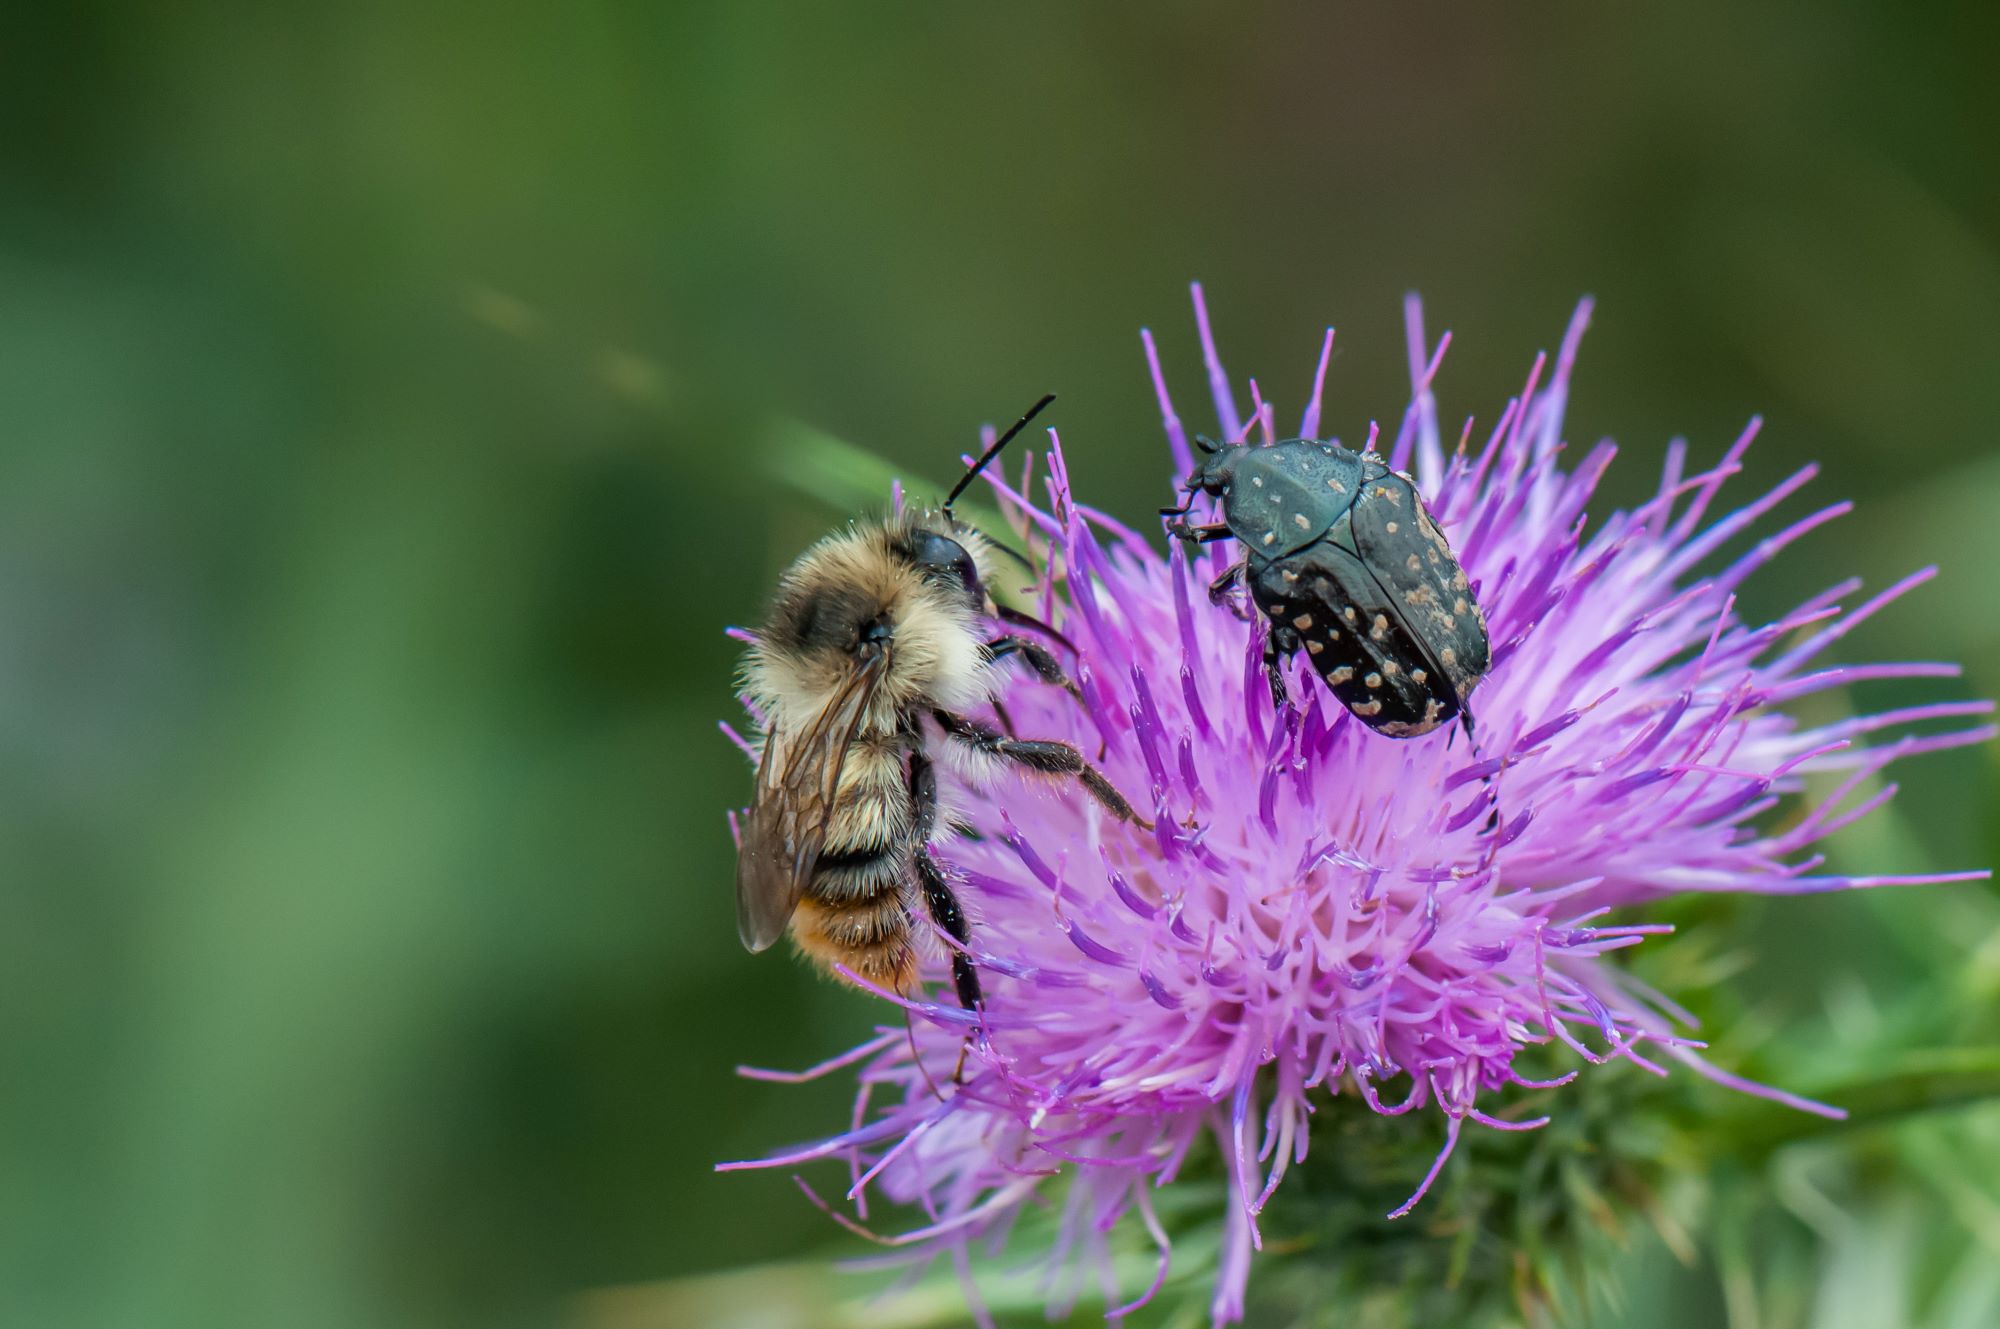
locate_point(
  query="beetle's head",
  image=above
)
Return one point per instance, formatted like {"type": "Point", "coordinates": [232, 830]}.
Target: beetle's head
{"type": "Point", "coordinates": [1217, 469]}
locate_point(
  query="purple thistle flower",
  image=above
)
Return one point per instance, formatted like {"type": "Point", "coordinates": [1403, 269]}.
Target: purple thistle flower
{"type": "Point", "coordinates": [1323, 912]}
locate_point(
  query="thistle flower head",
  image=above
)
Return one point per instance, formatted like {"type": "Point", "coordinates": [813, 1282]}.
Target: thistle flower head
{"type": "Point", "coordinates": [1325, 920]}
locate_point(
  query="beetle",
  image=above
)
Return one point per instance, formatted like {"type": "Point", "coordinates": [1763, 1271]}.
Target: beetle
{"type": "Point", "coordinates": [1344, 561]}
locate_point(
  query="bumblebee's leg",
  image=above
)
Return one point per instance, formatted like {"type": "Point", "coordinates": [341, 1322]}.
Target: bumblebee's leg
{"type": "Point", "coordinates": [1201, 535]}
{"type": "Point", "coordinates": [939, 899]}
{"type": "Point", "coordinates": [1045, 665]}
{"type": "Point", "coordinates": [1049, 757]}
{"type": "Point", "coordinates": [1022, 619]}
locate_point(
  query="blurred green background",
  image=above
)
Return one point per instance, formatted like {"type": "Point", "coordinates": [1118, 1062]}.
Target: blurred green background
{"type": "Point", "coordinates": [393, 412]}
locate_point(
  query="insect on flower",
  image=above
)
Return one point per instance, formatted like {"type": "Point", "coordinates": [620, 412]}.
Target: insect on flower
{"type": "Point", "coordinates": [875, 646]}
{"type": "Point", "coordinates": [1322, 923]}
{"type": "Point", "coordinates": [1343, 559]}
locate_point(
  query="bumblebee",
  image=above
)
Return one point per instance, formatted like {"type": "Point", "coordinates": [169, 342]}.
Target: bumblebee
{"type": "Point", "coordinates": [878, 641]}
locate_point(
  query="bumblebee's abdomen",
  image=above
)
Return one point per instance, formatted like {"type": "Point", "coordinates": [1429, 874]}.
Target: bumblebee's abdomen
{"type": "Point", "coordinates": [871, 810]}
{"type": "Point", "coordinates": [854, 912]}
{"type": "Point", "coordinates": [868, 934]}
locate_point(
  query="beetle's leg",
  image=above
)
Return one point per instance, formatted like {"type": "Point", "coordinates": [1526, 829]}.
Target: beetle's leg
{"type": "Point", "coordinates": [1231, 579]}
{"type": "Point", "coordinates": [1048, 757]}
{"type": "Point", "coordinates": [1492, 782]}
{"type": "Point", "coordinates": [1037, 655]}
{"type": "Point", "coordinates": [1279, 642]}
{"type": "Point", "coordinates": [1221, 586]}
{"type": "Point", "coordinates": [1201, 535]}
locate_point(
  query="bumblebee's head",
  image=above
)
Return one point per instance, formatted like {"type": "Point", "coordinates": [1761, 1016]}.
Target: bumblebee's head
{"type": "Point", "coordinates": [940, 555]}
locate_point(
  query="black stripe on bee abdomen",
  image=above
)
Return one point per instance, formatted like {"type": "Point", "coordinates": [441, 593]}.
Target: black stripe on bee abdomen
{"type": "Point", "coordinates": [859, 874]}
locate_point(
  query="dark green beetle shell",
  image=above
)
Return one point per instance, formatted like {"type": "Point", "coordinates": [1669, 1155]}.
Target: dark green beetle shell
{"type": "Point", "coordinates": [1347, 564]}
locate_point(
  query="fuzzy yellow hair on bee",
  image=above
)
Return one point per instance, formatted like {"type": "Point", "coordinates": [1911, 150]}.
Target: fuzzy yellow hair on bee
{"type": "Point", "coordinates": [879, 638]}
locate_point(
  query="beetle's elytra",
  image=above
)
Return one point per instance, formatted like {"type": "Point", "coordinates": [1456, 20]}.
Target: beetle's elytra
{"type": "Point", "coordinates": [1343, 559]}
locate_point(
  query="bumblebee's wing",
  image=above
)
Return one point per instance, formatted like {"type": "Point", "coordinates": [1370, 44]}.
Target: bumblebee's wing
{"type": "Point", "coordinates": [796, 783]}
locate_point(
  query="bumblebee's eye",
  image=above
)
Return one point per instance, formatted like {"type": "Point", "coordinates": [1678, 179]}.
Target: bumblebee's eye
{"type": "Point", "coordinates": [939, 557]}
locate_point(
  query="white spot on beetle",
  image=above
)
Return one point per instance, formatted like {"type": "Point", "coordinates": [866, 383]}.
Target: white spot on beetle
{"type": "Point", "coordinates": [1373, 680]}
{"type": "Point", "coordinates": [1413, 563]}
{"type": "Point", "coordinates": [1289, 575]}
{"type": "Point", "coordinates": [1335, 485]}
{"type": "Point", "coordinates": [1257, 480]}
{"type": "Point", "coordinates": [1270, 537]}
{"type": "Point", "coordinates": [1380, 628]}
{"type": "Point", "coordinates": [1315, 647]}
{"type": "Point", "coordinates": [1391, 528]}
{"type": "Point", "coordinates": [1302, 622]}
{"type": "Point", "coordinates": [1391, 668]}
{"type": "Point", "coordinates": [1299, 520]}
{"type": "Point", "coordinates": [1367, 708]}
{"type": "Point", "coordinates": [1449, 622]}
{"type": "Point", "coordinates": [1341, 675]}
{"type": "Point", "coordinates": [1349, 612]}
{"type": "Point", "coordinates": [1418, 676]}
{"type": "Point", "coordinates": [1458, 605]}
{"type": "Point", "coordinates": [1449, 656]}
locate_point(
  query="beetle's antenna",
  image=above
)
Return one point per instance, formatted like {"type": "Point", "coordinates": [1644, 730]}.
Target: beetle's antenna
{"type": "Point", "coordinates": [972, 471]}
{"type": "Point", "coordinates": [1207, 444]}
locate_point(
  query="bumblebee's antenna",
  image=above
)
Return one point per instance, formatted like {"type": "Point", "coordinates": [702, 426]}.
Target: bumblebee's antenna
{"type": "Point", "coordinates": [972, 471]}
